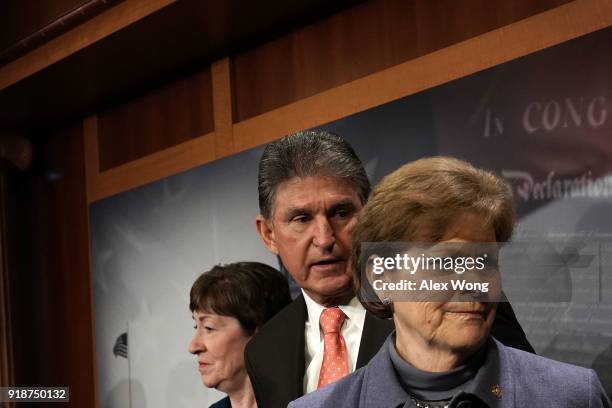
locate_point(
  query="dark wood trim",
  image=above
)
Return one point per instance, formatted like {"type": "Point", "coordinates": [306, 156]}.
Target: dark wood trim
{"type": "Point", "coordinates": [78, 38]}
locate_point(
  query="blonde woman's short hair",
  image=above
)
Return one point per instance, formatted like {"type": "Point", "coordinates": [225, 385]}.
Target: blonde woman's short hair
{"type": "Point", "coordinates": [419, 201]}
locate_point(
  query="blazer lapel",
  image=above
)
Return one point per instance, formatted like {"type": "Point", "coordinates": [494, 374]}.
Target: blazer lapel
{"type": "Point", "coordinates": [381, 387]}
{"type": "Point", "coordinates": [275, 357]}
{"type": "Point", "coordinates": [292, 354]}
{"type": "Point", "coordinates": [375, 332]}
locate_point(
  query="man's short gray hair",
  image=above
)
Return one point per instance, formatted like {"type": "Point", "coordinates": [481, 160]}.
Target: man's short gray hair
{"type": "Point", "coordinates": [307, 154]}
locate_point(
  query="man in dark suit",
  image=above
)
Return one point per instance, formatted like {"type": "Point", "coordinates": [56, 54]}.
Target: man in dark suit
{"type": "Point", "coordinates": [312, 186]}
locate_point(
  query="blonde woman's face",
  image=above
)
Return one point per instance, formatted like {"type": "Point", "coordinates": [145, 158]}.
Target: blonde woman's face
{"type": "Point", "coordinates": [450, 325]}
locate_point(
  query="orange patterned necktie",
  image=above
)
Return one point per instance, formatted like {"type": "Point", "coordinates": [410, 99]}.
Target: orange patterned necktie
{"type": "Point", "coordinates": [335, 357]}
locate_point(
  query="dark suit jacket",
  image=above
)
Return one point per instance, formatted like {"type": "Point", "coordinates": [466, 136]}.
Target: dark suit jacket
{"type": "Point", "coordinates": [276, 362]}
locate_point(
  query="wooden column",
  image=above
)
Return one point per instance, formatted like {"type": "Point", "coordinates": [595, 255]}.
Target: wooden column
{"type": "Point", "coordinates": [6, 346]}
{"type": "Point", "coordinates": [222, 108]}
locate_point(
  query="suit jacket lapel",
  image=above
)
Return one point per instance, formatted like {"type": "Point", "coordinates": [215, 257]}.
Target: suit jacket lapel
{"type": "Point", "coordinates": [275, 357]}
{"type": "Point", "coordinates": [294, 350]}
{"type": "Point", "coordinates": [375, 332]}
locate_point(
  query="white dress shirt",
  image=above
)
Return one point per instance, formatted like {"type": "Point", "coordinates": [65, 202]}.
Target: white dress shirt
{"type": "Point", "coordinates": [352, 329]}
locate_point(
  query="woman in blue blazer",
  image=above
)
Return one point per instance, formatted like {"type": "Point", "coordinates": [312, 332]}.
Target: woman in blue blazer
{"type": "Point", "coordinates": [442, 354]}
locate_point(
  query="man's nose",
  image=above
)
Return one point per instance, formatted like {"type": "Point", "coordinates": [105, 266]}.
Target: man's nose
{"type": "Point", "coordinates": [324, 235]}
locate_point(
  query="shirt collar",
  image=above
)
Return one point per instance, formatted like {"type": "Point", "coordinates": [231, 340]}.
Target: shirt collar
{"type": "Point", "coordinates": [314, 313]}
{"type": "Point", "coordinates": [354, 311]}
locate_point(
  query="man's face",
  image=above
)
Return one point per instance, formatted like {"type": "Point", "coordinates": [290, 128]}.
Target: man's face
{"type": "Point", "coordinates": [310, 230]}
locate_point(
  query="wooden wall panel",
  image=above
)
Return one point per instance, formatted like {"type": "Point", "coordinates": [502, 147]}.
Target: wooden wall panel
{"type": "Point", "coordinates": [80, 37]}
{"type": "Point", "coordinates": [529, 35]}
{"type": "Point", "coordinates": [158, 120]}
{"type": "Point", "coordinates": [360, 41]}
{"type": "Point", "coordinates": [50, 288]}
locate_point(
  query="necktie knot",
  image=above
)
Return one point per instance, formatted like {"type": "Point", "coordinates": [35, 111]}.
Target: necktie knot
{"type": "Point", "coordinates": [331, 320]}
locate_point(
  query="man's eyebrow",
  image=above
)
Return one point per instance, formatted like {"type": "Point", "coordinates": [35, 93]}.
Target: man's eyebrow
{"type": "Point", "coordinates": [293, 211]}
{"type": "Point", "coordinates": [344, 204]}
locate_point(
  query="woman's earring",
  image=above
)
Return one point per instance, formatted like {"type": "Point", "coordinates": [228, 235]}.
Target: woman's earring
{"type": "Point", "coordinates": [386, 300]}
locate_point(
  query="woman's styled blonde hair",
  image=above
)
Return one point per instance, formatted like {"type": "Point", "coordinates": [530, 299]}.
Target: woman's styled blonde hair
{"type": "Point", "coordinates": [419, 201]}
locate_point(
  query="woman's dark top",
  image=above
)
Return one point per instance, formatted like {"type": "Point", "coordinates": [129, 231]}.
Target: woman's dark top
{"type": "Point", "coordinates": [434, 389]}
{"type": "Point", "coordinates": [223, 403]}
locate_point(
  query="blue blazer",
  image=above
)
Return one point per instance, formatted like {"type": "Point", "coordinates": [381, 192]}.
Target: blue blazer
{"type": "Point", "coordinates": [275, 356]}
{"type": "Point", "coordinates": [509, 378]}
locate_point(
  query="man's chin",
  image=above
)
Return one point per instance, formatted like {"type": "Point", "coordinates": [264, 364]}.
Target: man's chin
{"type": "Point", "coordinates": [332, 289]}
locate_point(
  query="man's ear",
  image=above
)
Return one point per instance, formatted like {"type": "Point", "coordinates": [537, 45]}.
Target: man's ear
{"type": "Point", "coordinates": [266, 232]}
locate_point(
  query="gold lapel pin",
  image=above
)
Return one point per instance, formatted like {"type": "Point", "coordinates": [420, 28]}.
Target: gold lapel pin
{"type": "Point", "coordinates": [496, 390]}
